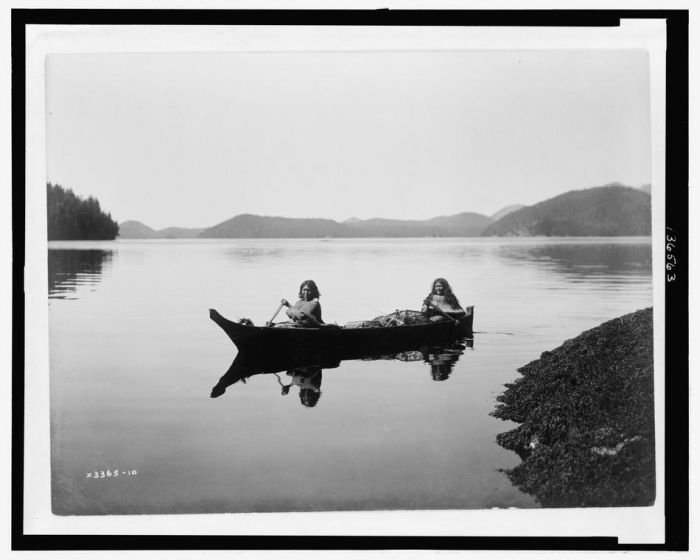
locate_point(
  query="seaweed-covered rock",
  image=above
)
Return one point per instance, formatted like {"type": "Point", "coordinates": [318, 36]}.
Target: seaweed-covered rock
{"type": "Point", "coordinates": [586, 411]}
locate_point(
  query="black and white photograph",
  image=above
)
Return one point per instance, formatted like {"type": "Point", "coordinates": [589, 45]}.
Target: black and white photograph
{"type": "Point", "coordinates": [311, 271]}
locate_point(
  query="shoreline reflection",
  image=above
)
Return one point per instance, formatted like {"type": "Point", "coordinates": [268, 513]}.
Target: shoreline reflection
{"type": "Point", "coordinates": [71, 268]}
{"type": "Point", "coordinates": [584, 261]}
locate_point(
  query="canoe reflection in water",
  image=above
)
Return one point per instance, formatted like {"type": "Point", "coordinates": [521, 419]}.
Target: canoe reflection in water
{"type": "Point", "coordinates": [306, 371]}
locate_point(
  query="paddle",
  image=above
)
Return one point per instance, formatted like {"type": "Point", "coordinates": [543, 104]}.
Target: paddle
{"type": "Point", "coordinates": [276, 313]}
{"type": "Point", "coordinates": [440, 311]}
{"type": "Point", "coordinates": [286, 303]}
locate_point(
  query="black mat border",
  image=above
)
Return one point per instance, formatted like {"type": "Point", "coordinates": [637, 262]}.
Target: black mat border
{"type": "Point", "coordinates": [677, 345]}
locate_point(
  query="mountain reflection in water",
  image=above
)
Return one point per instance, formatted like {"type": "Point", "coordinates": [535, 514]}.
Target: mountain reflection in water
{"type": "Point", "coordinates": [585, 260]}
{"type": "Point", "coordinates": [306, 372]}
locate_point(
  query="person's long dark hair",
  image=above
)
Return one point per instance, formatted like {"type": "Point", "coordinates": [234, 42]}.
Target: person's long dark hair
{"type": "Point", "coordinates": [309, 397]}
{"type": "Point", "coordinates": [312, 285]}
{"type": "Point", "coordinates": [449, 296]}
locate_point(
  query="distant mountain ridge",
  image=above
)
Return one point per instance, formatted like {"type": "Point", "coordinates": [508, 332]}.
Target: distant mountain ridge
{"type": "Point", "coordinates": [600, 211]}
{"type": "Point", "coordinates": [250, 225]}
{"type": "Point", "coordinates": [132, 229]}
{"type": "Point", "coordinates": [505, 211]}
{"type": "Point", "coordinates": [466, 224]}
{"type": "Point", "coordinates": [611, 210]}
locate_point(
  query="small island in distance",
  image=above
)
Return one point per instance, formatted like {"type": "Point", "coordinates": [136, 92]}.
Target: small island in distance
{"type": "Point", "coordinates": [610, 210]}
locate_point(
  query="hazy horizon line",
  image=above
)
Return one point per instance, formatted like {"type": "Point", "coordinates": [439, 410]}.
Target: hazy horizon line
{"type": "Point", "coordinates": [340, 221]}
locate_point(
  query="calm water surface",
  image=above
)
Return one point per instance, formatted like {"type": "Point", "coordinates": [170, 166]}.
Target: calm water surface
{"type": "Point", "coordinates": [134, 357]}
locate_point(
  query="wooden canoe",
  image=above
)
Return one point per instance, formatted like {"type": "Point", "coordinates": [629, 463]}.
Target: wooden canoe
{"type": "Point", "coordinates": [342, 341]}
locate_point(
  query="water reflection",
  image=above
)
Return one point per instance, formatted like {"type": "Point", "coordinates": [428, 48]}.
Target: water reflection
{"type": "Point", "coordinates": [308, 379]}
{"type": "Point", "coordinates": [254, 254]}
{"type": "Point", "coordinates": [305, 372]}
{"type": "Point", "coordinates": [584, 259]}
{"type": "Point", "coordinates": [71, 268]}
{"type": "Point", "coordinates": [443, 360]}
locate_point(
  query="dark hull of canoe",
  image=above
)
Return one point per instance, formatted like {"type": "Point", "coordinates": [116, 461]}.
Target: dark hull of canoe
{"type": "Point", "coordinates": [340, 342]}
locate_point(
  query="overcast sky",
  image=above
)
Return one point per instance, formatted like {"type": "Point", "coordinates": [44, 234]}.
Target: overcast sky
{"type": "Point", "coordinates": [194, 139]}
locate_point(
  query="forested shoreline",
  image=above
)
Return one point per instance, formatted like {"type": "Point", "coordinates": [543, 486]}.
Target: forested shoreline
{"type": "Point", "coordinates": [70, 217]}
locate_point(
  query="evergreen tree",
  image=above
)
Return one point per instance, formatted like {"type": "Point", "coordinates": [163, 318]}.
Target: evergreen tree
{"type": "Point", "coordinates": [73, 218]}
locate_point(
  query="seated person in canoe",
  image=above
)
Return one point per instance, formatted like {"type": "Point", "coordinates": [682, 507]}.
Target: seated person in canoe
{"type": "Point", "coordinates": [307, 311]}
{"type": "Point", "coordinates": [441, 301]}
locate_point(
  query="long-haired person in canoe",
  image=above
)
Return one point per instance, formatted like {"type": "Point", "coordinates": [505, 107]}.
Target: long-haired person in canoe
{"type": "Point", "coordinates": [443, 298]}
{"type": "Point", "coordinates": [307, 311]}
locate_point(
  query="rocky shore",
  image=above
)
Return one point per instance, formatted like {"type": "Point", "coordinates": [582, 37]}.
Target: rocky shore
{"type": "Point", "coordinates": [586, 415]}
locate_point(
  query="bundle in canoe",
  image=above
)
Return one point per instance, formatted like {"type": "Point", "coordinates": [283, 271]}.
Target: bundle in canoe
{"type": "Point", "coordinates": [399, 330]}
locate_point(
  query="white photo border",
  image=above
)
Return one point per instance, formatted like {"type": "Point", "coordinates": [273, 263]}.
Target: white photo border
{"type": "Point", "coordinates": [629, 525]}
